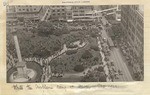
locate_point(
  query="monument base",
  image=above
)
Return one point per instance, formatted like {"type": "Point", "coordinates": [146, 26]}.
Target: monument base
{"type": "Point", "coordinates": [31, 72]}
{"type": "Point", "coordinates": [15, 76]}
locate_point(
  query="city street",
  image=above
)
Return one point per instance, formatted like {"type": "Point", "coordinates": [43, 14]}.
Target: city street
{"type": "Point", "coordinates": [119, 64]}
{"type": "Point", "coordinates": [116, 57]}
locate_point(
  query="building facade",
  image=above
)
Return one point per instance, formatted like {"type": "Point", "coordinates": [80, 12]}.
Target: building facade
{"type": "Point", "coordinates": [83, 13]}
{"type": "Point", "coordinates": [25, 11]}
{"type": "Point", "coordinates": [58, 12]}
{"type": "Point", "coordinates": [70, 12]}
{"type": "Point", "coordinates": [133, 29]}
{"type": "Point", "coordinates": [133, 25]}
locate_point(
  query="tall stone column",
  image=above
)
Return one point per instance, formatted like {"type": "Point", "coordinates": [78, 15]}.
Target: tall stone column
{"type": "Point", "coordinates": [21, 66]}
{"type": "Point", "coordinates": [17, 48]}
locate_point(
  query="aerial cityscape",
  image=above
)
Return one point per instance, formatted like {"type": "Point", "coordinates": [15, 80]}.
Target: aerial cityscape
{"type": "Point", "coordinates": [74, 43]}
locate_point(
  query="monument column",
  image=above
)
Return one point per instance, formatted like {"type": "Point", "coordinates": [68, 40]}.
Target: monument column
{"type": "Point", "coordinates": [21, 66]}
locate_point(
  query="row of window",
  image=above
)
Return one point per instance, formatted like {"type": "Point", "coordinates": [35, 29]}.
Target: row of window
{"type": "Point", "coordinates": [24, 6]}
{"type": "Point", "coordinates": [133, 15]}
{"type": "Point", "coordinates": [58, 10]}
{"type": "Point", "coordinates": [139, 36]}
{"type": "Point", "coordinates": [83, 7]}
{"type": "Point", "coordinates": [78, 11]}
{"type": "Point", "coordinates": [69, 13]}
{"type": "Point", "coordinates": [57, 6]}
{"type": "Point", "coordinates": [32, 6]}
{"type": "Point", "coordinates": [124, 15]}
{"type": "Point", "coordinates": [139, 43]}
{"type": "Point", "coordinates": [82, 15]}
{"type": "Point", "coordinates": [124, 21]}
{"type": "Point", "coordinates": [58, 14]}
{"type": "Point", "coordinates": [135, 7]}
{"type": "Point", "coordinates": [27, 9]}
{"type": "Point", "coordinates": [131, 35]}
{"type": "Point", "coordinates": [140, 21]}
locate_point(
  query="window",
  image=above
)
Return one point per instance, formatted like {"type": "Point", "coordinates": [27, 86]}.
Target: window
{"type": "Point", "coordinates": [81, 11]}
{"type": "Point", "coordinates": [81, 7]}
{"type": "Point", "coordinates": [75, 15]}
{"type": "Point", "coordinates": [139, 28]}
{"type": "Point", "coordinates": [69, 13]}
{"type": "Point", "coordinates": [58, 10]}
{"type": "Point", "coordinates": [139, 36]}
{"type": "Point", "coordinates": [81, 14]}
{"type": "Point", "coordinates": [75, 11]}
{"type": "Point", "coordinates": [88, 14]}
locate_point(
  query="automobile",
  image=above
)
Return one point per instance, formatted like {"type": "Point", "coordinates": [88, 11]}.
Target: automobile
{"type": "Point", "coordinates": [115, 44]}
{"type": "Point", "coordinates": [112, 63]}
{"type": "Point", "coordinates": [120, 72]}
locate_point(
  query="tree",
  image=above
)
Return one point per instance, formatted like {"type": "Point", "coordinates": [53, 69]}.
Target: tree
{"type": "Point", "coordinates": [102, 77]}
{"type": "Point", "coordinates": [21, 19]}
{"type": "Point", "coordinates": [42, 53]}
{"type": "Point", "coordinates": [78, 68]}
{"type": "Point", "coordinates": [57, 32]}
{"type": "Point", "coordinates": [100, 69]}
{"type": "Point", "coordinates": [88, 78]}
{"type": "Point", "coordinates": [69, 52]}
{"type": "Point", "coordinates": [86, 55]}
{"type": "Point", "coordinates": [94, 47]}
{"type": "Point", "coordinates": [96, 59]}
{"type": "Point", "coordinates": [93, 34]}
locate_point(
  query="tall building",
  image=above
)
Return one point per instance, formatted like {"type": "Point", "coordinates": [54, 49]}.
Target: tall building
{"type": "Point", "coordinates": [77, 12]}
{"type": "Point", "coordinates": [71, 12]}
{"type": "Point", "coordinates": [133, 29]}
{"type": "Point", "coordinates": [133, 25]}
{"type": "Point", "coordinates": [58, 12]}
{"type": "Point", "coordinates": [82, 12]}
{"type": "Point", "coordinates": [25, 11]}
